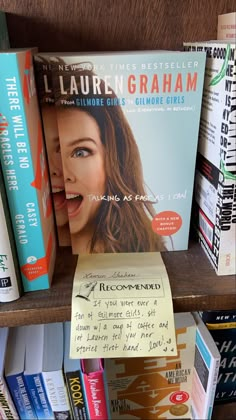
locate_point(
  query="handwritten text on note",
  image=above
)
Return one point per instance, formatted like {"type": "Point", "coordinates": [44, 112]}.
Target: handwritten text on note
{"type": "Point", "coordinates": [122, 307]}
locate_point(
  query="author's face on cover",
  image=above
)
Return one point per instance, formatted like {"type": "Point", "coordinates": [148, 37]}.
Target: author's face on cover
{"type": "Point", "coordinates": [84, 168]}
{"type": "Point", "coordinates": [55, 165]}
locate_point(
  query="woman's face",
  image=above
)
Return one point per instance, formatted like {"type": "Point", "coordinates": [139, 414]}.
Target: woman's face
{"type": "Point", "coordinates": [84, 167]}
{"type": "Point", "coordinates": [55, 164]}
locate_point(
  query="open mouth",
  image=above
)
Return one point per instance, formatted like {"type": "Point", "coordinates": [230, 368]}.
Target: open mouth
{"type": "Point", "coordinates": [74, 202]}
{"type": "Point", "coordinates": [59, 197]}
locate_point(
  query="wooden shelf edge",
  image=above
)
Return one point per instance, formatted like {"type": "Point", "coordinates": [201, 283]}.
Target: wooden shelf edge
{"type": "Point", "coordinates": [194, 284]}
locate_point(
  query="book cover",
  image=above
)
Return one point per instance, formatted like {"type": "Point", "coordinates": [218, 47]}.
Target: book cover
{"type": "Point", "coordinates": [226, 28]}
{"type": "Point", "coordinates": [205, 373]}
{"type": "Point", "coordinates": [25, 170]}
{"type": "Point", "coordinates": [43, 79]}
{"type": "Point", "coordinates": [10, 279]}
{"type": "Point", "coordinates": [96, 388]}
{"type": "Point", "coordinates": [7, 407]}
{"type": "Point", "coordinates": [128, 128]}
{"type": "Point", "coordinates": [214, 206]}
{"type": "Point", "coordinates": [153, 388]}
{"type": "Point", "coordinates": [52, 370]}
{"type": "Point", "coordinates": [222, 326]}
{"type": "Point", "coordinates": [74, 379]}
{"type": "Point", "coordinates": [33, 371]}
{"type": "Point", "coordinates": [4, 37]}
{"type": "Point", "coordinates": [14, 373]}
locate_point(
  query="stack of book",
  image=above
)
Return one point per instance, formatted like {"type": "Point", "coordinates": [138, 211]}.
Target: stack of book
{"type": "Point", "coordinates": [39, 380]}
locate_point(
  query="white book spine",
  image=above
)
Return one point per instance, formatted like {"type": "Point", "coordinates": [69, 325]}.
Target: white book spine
{"type": "Point", "coordinates": [9, 289]}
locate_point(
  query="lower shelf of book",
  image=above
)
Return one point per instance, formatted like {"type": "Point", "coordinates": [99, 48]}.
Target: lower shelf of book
{"type": "Point", "coordinates": [194, 283]}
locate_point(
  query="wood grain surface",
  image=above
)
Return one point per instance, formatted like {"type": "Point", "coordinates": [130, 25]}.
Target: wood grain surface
{"type": "Point", "coordinates": [96, 25]}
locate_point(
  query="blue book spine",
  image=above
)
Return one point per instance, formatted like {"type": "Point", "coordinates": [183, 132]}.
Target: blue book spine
{"type": "Point", "coordinates": [36, 389]}
{"type": "Point", "coordinates": [21, 397]}
{"type": "Point", "coordinates": [25, 170]}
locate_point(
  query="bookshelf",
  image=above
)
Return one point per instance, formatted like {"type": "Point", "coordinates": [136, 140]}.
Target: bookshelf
{"type": "Point", "coordinates": [96, 25]}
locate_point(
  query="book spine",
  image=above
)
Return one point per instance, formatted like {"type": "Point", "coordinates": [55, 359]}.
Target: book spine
{"type": "Point", "coordinates": [21, 397]}
{"type": "Point", "coordinates": [212, 388]}
{"type": "Point", "coordinates": [10, 280]}
{"type": "Point", "coordinates": [57, 394]}
{"type": "Point", "coordinates": [77, 395]}
{"type": "Point", "coordinates": [25, 171]}
{"type": "Point", "coordinates": [7, 407]}
{"type": "Point", "coordinates": [38, 394]}
{"type": "Point", "coordinates": [96, 395]}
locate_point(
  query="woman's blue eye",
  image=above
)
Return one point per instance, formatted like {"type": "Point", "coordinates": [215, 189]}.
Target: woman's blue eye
{"type": "Point", "coordinates": [80, 153]}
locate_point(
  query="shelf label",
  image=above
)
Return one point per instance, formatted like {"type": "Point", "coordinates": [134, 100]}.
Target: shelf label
{"type": "Point", "coordinates": [122, 307]}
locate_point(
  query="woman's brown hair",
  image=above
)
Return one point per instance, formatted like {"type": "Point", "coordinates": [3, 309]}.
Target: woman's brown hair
{"type": "Point", "coordinates": [121, 226]}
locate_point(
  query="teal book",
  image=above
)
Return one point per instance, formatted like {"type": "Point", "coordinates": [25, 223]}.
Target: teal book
{"type": "Point", "coordinates": [128, 127]}
{"type": "Point", "coordinates": [4, 37]}
{"type": "Point", "coordinates": [25, 170]}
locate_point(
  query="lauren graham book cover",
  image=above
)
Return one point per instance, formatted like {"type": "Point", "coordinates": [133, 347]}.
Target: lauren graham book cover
{"type": "Point", "coordinates": [128, 131]}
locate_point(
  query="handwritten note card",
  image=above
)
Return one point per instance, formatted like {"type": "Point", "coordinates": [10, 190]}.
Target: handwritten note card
{"type": "Point", "coordinates": [122, 307]}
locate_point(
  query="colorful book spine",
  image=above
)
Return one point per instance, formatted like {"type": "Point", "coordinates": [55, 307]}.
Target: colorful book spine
{"type": "Point", "coordinates": [95, 386]}
{"type": "Point", "coordinates": [20, 396]}
{"type": "Point", "coordinates": [74, 379]}
{"type": "Point", "coordinates": [222, 326]}
{"type": "Point", "coordinates": [43, 78]}
{"type": "Point", "coordinates": [205, 374]}
{"type": "Point", "coordinates": [10, 279]}
{"type": "Point", "coordinates": [76, 392]}
{"type": "Point", "coordinates": [38, 394]}
{"type": "Point", "coordinates": [25, 170]}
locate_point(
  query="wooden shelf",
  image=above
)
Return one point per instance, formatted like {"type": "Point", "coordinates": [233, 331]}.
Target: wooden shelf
{"type": "Point", "coordinates": [194, 285]}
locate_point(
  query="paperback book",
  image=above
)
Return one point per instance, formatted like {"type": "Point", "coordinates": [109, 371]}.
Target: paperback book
{"type": "Point", "coordinates": [222, 326]}
{"type": "Point", "coordinates": [153, 388]}
{"type": "Point", "coordinates": [25, 170]}
{"type": "Point", "coordinates": [128, 130]}
{"type": "Point", "coordinates": [10, 279]}
{"type": "Point", "coordinates": [74, 380]}
{"type": "Point", "coordinates": [43, 79]}
{"type": "Point", "coordinates": [7, 407]}
{"type": "Point", "coordinates": [52, 363]}
{"type": "Point", "coordinates": [14, 373]}
{"type": "Point", "coordinates": [226, 28]}
{"type": "Point", "coordinates": [214, 207]}
{"type": "Point", "coordinates": [33, 373]}
{"type": "Point", "coordinates": [205, 373]}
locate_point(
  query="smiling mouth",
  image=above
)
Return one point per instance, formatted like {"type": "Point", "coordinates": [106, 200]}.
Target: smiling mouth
{"type": "Point", "coordinates": [74, 202]}
{"type": "Point", "coordinates": [59, 197]}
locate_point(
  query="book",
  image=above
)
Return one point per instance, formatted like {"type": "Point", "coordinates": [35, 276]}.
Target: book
{"type": "Point", "coordinates": [205, 373]}
{"type": "Point", "coordinates": [155, 387]}
{"type": "Point", "coordinates": [214, 204]}
{"type": "Point", "coordinates": [4, 37]}
{"type": "Point", "coordinates": [33, 371]}
{"type": "Point", "coordinates": [7, 407]}
{"type": "Point", "coordinates": [52, 372]}
{"type": "Point", "coordinates": [96, 388]}
{"type": "Point", "coordinates": [74, 379]}
{"type": "Point", "coordinates": [10, 279]}
{"type": "Point", "coordinates": [43, 79]}
{"type": "Point", "coordinates": [131, 114]}
{"type": "Point", "coordinates": [14, 373]}
{"type": "Point", "coordinates": [226, 27]}
{"type": "Point", "coordinates": [222, 326]}
{"type": "Point", "coordinates": [25, 170]}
